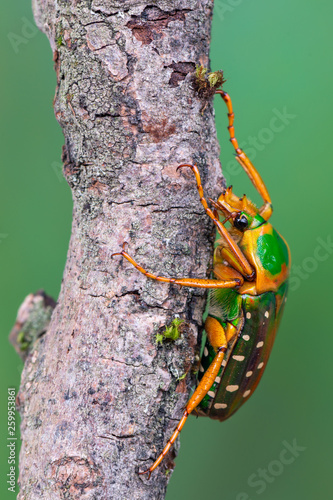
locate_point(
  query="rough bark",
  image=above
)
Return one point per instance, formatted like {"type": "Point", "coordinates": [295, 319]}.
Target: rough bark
{"type": "Point", "coordinates": [129, 114]}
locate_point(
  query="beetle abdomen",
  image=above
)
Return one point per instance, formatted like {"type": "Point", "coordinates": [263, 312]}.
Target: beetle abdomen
{"type": "Point", "coordinates": [246, 358]}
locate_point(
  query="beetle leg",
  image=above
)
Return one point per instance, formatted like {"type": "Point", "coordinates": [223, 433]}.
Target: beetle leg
{"type": "Point", "coordinates": [236, 256]}
{"type": "Point", "coordinates": [218, 339]}
{"type": "Point", "coordinates": [231, 282]}
{"type": "Point", "coordinates": [245, 162]}
{"type": "Point", "coordinates": [223, 272]}
{"type": "Point", "coordinates": [242, 263]}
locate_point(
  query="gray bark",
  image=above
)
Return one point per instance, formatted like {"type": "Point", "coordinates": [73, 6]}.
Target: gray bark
{"type": "Point", "coordinates": [129, 114]}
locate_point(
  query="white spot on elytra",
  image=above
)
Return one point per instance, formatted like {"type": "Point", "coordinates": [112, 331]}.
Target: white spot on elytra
{"type": "Point", "coordinates": [218, 380]}
{"type": "Point", "coordinates": [260, 365]}
{"type": "Point", "coordinates": [266, 314]}
{"type": "Point", "coordinates": [248, 315]}
{"type": "Point", "coordinates": [246, 393]}
{"type": "Point", "coordinates": [238, 358]}
{"type": "Point", "coordinates": [201, 368]}
{"type": "Point", "coordinates": [224, 362]}
{"type": "Point", "coordinates": [211, 394]}
{"type": "Point", "coordinates": [220, 406]}
{"type": "Point", "coordinates": [248, 374]}
{"type": "Point", "coordinates": [205, 351]}
{"type": "Point", "coordinates": [246, 337]}
{"type": "Point", "coordinates": [232, 388]}
{"type": "Point", "coordinates": [260, 344]}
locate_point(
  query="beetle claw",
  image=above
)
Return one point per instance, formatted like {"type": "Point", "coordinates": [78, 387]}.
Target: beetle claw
{"type": "Point", "coordinates": [185, 165]}
{"type": "Point", "coordinates": [148, 471]}
{"type": "Point", "coordinates": [120, 253]}
{"type": "Point", "coordinates": [114, 254]}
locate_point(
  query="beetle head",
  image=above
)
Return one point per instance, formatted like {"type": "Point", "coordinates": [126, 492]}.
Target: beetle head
{"type": "Point", "coordinates": [240, 212]}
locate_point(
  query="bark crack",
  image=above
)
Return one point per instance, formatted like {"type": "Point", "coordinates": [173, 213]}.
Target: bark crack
{"type": "Point", "coordinates": [152, 22]}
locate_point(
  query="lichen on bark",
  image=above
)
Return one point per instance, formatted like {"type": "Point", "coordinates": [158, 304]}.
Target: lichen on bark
{"type": "Point", "coordinates": [99, 397]}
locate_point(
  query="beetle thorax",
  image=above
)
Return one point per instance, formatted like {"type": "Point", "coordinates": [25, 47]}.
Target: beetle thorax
{"type": "Point", "coordinates": [268, 253]}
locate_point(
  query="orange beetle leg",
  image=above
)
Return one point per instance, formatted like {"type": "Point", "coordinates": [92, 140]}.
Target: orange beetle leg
{"type": "Point", "coordinates": [231, 282]}
{"type": "Point", "coordinates": [244, 265]}
{"type": "Point", "coordinates": [217, 336]}
{"type": "Point", "coordinates": [245, 162]}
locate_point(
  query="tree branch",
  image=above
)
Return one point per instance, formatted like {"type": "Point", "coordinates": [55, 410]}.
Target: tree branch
{"type": "Point", "coordinates": [98, 397]}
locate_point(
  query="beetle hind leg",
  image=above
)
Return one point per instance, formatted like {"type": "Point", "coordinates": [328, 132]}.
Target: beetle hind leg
{"type": "Point", "coordinates": [219, 340]}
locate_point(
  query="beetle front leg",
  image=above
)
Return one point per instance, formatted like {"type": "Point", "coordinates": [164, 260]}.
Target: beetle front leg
{"type": "Point", "coordinates": [266, 210]}
{"type": "Point", "coordinates": [219, 339]}
{"type": "Point", "coordinates": [242, 264]}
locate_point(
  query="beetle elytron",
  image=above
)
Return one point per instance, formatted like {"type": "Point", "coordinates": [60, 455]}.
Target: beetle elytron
{"type": "Point", "coordinates": [248, 293]}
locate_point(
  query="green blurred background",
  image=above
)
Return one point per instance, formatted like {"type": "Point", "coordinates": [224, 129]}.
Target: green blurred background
{"type": "Point", "coordinates": [277, 58]}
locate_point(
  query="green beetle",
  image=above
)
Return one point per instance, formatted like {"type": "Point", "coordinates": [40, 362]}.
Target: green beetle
{"type": "Point", "coordinates": [246, 301]}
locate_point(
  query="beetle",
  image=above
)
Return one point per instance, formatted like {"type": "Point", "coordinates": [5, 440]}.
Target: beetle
{"type": "Point", "coordinates": [247, 295]}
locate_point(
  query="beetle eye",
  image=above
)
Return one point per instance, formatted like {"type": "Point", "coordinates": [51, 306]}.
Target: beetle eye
{"type": "Point", "coordinates": [241, 222]}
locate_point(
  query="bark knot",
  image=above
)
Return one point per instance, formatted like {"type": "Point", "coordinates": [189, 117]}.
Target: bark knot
{"type": "Point", "coordinates": [159, 130]}
{"type": "Point", "coordinates": [75, 475]}
{"type": "Point", "coordinates": [180, 70]}
{"type": "Point", "coordinates": [152, 21]}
